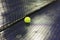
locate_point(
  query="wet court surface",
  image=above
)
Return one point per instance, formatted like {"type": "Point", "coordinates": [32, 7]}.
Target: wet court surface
{"type": "Point", "coordinates": [45, 25]}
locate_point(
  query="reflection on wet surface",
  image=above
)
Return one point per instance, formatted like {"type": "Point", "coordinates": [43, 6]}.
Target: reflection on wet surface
{"type": "Point", "coordinates": [13, 9]}
{"type": "Point", "coordinates": [44, 26]}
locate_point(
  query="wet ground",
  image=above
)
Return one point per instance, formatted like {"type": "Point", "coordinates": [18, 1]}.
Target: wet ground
{"type": "Point", "coordinates": [45, 25]}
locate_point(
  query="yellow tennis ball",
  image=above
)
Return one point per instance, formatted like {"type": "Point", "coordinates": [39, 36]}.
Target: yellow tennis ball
{"type": "Point", "coordinates": [27, 19]}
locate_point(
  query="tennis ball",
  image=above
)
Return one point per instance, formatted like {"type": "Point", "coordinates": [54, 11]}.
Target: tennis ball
{"type": "Point", "coordinates": [27, 19]}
